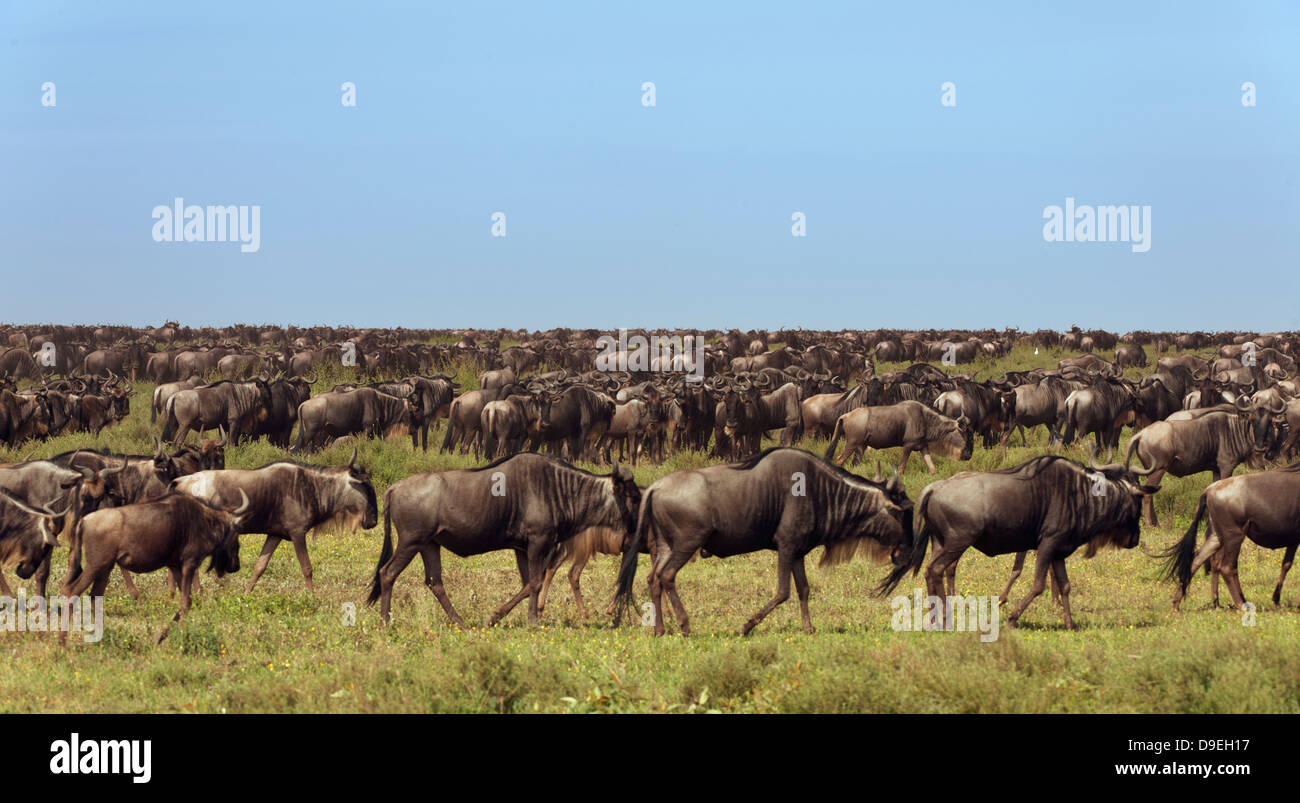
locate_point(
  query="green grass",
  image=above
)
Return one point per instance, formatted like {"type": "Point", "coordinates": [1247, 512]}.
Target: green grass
{"type": "Point", "coordinates": [280, 649]}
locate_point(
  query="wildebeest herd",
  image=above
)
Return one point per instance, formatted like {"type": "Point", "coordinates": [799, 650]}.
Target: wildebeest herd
{"type": "Point", "coordinates": [556, 398]}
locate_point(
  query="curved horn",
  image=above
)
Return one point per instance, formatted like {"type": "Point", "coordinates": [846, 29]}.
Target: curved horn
{"type": "Point", "coordinates": [157, 447]}
{"type": "Point", "coordinates": [353, 462]}
{"type": "Point", "coordinates": [879, 477]}
{"type": "Point", "coordinates": [312, 381]}
{"type": "Point", "coordinates": [239, 511]}
{"type": "Point", "coordinates": [225, 436]}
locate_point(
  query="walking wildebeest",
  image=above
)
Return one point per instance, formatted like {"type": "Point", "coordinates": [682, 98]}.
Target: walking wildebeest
{"type": "Point", "coordinates": [785, 500]}
{"type": "Point", "coordinates": [528, 502]}
{"type": "Point", "coordinates": [1218, 443]}
{"type": "Point", "coordinates": [289, 499]}
{"type": "Point", "coordinates": [1263, 507]}
{"type": "Point", "coordinates": [1048, 504]}
{"type": "Point", "coordinates": [909, 424]}
{"type": "Point", "coordinates": [176, 532]}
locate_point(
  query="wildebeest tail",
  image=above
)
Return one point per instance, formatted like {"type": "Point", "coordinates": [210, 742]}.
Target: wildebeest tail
{"type": "Point", "coordinates": [1178, 558]}
{"type": "Point", "coordinates": [74, 554]}
{"type": "Point", "coordinates": [451, 425]}
{"type": "Point", "coordinates": [1067, 437]}
{"type": "Point", "coordinates": [1132, 445]}
{"type": "Point", "coordinates": [386, 552]}
{"type": "Point", "coordinates": [836, 434]}
{"type": "Point", "coordinates": [153, 407]}
{"type": "Point", "coordinates": [169, 420]}
{"type": "Point", "coordinates": [631, 554]}
{"type": "Point", "coordinates": [920, 542]}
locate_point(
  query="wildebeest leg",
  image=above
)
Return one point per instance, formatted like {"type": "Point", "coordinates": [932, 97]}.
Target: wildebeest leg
{"type": "Point", "coordinates": [1015, 575]}
{"type": "Point", "coordinates": [804, 591]}
{"type": "Point", "coordinates": [94, 578]}
{"type": "Point", "coordinates": [187, 576]}
{"type": "Point", "coordinates": [130, 585]}
{"type": "Point", "coordinates": [304, 560]}
{"type": "Point", "coordinates": [42, 576]}
{"type": "Point", "coordinates": [1042, 562]}
{"type": "Point", "coordinates": [668, 582]}
{"type": "Point", "coordinates": [1063, 586]}
{"type": "Point", "coordinates": [431, 555]}
{"type": "Point", "coordinates": [531, 570]}
{"type": "Point", "coordinates": [1232, 541]}
{"type": "Point", "coordinates": [575, 577]}
{"type": "Point", "coordinates": [783, 567]}
{"type": "Point", "coordinates": [935, 572]}
{"type": "Point", "coordinates": [1148, 500]}
{"type": "Point", "coordinates": [925, 453]}
{"type": "Point", "coordinates": [1208, 549]}
{"type": "Point", "coordinates": [5, 590]}
{"type": "Point", "coordinates": [272, 541]}
{"type": "Point", "coordinates": [1286, 567]}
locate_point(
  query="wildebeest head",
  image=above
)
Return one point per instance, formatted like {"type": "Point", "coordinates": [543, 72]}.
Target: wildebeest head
{"type": "Point", "coordinates": [957, 441]}
{"type": "Point", "coordinates": [360, 500]}
{"type": "Point", "coordinates": [740, 403]}
{"type": "Point", "coordinates": [30, 534]}
{"type": "Point", "coordinates": [1261, 428]}
{"type": "Point", "coordinates": [225, 555]}
{"type": "Point", "coordinates": [212, 453]}
{"type": "Point", "coordinates": [1126, 511]}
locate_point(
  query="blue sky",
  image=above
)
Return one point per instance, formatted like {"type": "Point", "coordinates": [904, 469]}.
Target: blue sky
{"type": "Point", "coordinates": [676, 215]}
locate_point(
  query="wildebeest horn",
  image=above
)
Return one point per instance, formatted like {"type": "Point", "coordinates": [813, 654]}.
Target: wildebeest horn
{"type": "Point", "coordinates": [353, 462]}
{"type": "Point", "coordinates": [108, 472]}
{"type": "Point", "coordinates": [225, 436]}
{"type": "Point", "coordinates": [26, 508]}
{"type": "Point", "coordinates": [310, 381]}
{"type": "Point", "coordinates": [1281, 405]}
{"type": "Point", "coordinates": [239, 511]}
{"type": "Point", "coordinates": [157, 447]}
{"type": "Point", "coordinates": [1244, 404]}
{"type": "Point", "coordinates": [879, 477]}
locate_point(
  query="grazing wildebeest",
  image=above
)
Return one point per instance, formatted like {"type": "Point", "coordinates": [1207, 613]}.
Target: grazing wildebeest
{"type": "Point", "coordinates": [507, 423]}
{"type": "Point", "coordinates": [364, 410]}
{"type": "Point", "coordinates": [464, 417]}
{"type": "Point", "coordinates": [1263, 507]}
{"type": "Point", "coordinates": [1101, 409]}
{"type": "Point", "coordinates": [236, 405]}
{"type": "Point", "coordinates": [909, 424]}
{"type": "Point", "coordinates": [27, 536]}
{"type": "Point", "coordinates": [1217, 442]}
{"type": "Point", "coordinates": [1041, 402]}
{"type": "Point", "coordinates": [289, 499]}
{"type": "Point", "coordinates": [165, 391]}
{"type": "Point", "coordinates": [1048, 504]}
{"type": "Point", "coordinates": [785, 500]}
{"type": "Point", "coordinates": [176, 532]}
{"type": "Point", "coordinates": [821, 411]}
{"type": "Point", "coordinates": [528, 502]}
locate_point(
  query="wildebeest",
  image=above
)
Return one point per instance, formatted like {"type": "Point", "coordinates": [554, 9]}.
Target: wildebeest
{"type": "Point", "coordinates": [1217, 442]}
{"type": "Point", "coordinates": [27, 536]}
{"type": "Point", "coordinates": [748, 413]}
{"type": "Point", "coordinates": [1263, 507]}
{"type": "Point", "coordinates": [529, 503]}
{"type": "Point", "coordinates": [578, 419]}
{"type": "Point", "coordinates": [288, 499]}
{"type": "Point", "coordinates": [464, 417]}
{"type": "Point", "coordinates": [507, 423]}
{"type": "Point", "coordinates": [364, 410]}
{"type": "Point", "coordinates": [236, 405]}
{"type": "Point", "coordinates": [1101, 409]}
{"type": "Point", "coordinates": [176, 531]}
{"type": "Point", "coordinates": [785, 500]}
{"type": "Point", "coordinates": [909, 424]}
{"type": "Point", "coordinates": [1048, 504]}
